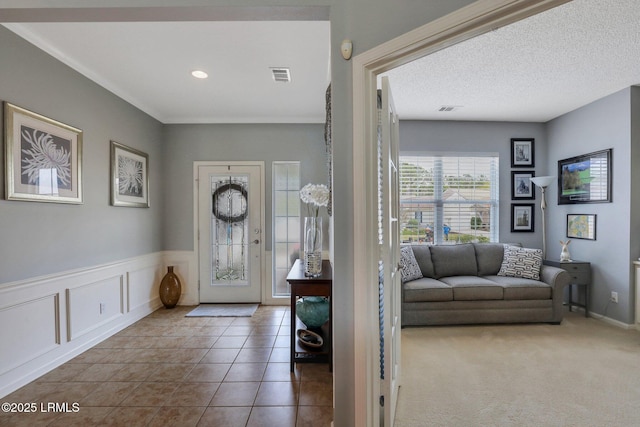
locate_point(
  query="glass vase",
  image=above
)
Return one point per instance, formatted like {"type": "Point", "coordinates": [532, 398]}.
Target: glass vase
{"type": "Point", "coordinates": [170, 288]}
{"type": "Point", "coordinates": [312, 246]}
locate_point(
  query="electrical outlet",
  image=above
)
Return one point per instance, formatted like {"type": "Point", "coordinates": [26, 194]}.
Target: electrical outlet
{"type": "Point", "coordinates": [103, 307]}
{"type": "Point", "coordinates": [614, 297]}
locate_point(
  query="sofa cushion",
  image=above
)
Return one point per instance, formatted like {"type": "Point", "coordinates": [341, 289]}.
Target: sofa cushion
{"type": "Point", "coordinates": [469, 288]}
{"type": "Point", "coordinates": [426, 289]}
{"type": "Point", "coordinates": [521, 262]}
{"type": "Point", "coordinates": [454, 260]}
{"type": "Point", "coordinates": [423, 256]}
{"type": "Point", "coordinates": [522, 289]}
{"type": "Point", "coordinates": [410, 269]}
{"type": "Point", "coordinates": [489, 258]}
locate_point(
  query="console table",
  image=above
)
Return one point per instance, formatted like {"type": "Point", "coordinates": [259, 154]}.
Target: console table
{"type": "Point", "coordinates": [580, 272]}
{"type": "Point", "coordinates": [302, 286]}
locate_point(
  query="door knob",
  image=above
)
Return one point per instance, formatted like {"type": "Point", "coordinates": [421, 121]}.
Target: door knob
{"type": "Point", "coordinates": [255, 242]}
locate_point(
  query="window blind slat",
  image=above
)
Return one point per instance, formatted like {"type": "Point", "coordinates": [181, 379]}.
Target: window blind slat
{"type": "Point", "coordinates": [458, 194]}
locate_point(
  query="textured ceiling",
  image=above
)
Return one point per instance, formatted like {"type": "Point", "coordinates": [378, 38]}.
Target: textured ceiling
{"type": "Point", "coordinates": [533, 70]}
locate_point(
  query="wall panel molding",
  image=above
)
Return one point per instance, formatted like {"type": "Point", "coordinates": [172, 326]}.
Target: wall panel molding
{"type": "Point", "coordinates": [56, 317]}
{"type": "Point", "coordinates": [32, 328]}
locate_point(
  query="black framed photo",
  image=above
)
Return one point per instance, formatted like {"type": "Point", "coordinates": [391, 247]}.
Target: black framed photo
{"type": "Point", "coordinates": [585, 178]}
{"type": "Point", "coordinates": [521, 186]}
{"type": "Point", "coordinates": [43, 158]}
{"type": "Point", "coordinates": [522, 153]}
{"type": "Point", "coordinates": [581, 226]}
{"type": "Point", "coordinates": [522, 217]}
{"type": "Point", "coordinates": [129, 176]}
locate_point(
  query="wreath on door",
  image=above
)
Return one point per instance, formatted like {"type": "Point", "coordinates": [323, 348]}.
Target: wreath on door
{"type": "Point", "coordinates": [223, 192]}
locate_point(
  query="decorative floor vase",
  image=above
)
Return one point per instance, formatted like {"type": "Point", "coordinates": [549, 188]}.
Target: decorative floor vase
{"type": "Point", "coordinates": [313, 311]}
{"type": "Point", "coordinates": [312, 246]}
{"type": "Point", "coordinates": [170, 289]}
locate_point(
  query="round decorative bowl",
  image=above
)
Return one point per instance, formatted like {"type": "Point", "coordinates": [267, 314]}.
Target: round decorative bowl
{"type": "Point", "coordinates": [313, 311]}
{"type": "Point", "coordinates": [309, 338]}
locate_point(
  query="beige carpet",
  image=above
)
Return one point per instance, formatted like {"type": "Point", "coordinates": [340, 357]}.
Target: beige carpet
{"type": "Point", "coordinates": [580, 373]}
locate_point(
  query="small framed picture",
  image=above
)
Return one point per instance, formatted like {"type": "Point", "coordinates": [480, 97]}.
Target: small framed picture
{"type": "Point", "coordinates": [521, 186]}
{"type": "Point", "coordinates": [129, 176]}
{"type": "Point", "coordinates": [522, 218]}
{"type": "Point", "coordinates": [43, 158]}
{"type": "Point", "coordinates": [581, 226]}
{"type": "Point", "coordinates": [522, 153]}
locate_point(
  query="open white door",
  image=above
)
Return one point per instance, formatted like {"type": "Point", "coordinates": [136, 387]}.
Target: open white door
{"type": "Point", "coordinates": [389, 232]}
{"type": "Point", "coordinates": [230, 222]}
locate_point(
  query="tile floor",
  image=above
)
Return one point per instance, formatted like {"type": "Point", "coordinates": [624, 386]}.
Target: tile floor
{"type": "Point", "coordinates": [172, 370]}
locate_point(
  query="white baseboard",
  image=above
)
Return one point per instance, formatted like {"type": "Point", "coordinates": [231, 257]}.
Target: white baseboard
{"type": "Point", "coordinates": [56, 317]}
{"type": "Point", "coordinates": [611, 321]}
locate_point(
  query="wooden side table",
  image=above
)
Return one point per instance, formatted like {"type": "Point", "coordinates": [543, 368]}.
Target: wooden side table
{"type": "Point", "coordinates": [302, 286]}
{"type": "Point", "coordinates": [580, 272]}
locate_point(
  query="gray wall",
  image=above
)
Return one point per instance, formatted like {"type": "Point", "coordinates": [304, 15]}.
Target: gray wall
{"type": "Point", "coordinates": [267, 142]}
{"type": "Point", "coordinates": [42, 238]}
{"type": "Point", "coordinates": [483, 137]}
{"type": "Point", "coordinates": [606, 123]}
{"type": "Point", "coordinates": [368, 23]}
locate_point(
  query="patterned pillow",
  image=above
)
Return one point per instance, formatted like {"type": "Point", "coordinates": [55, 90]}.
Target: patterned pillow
{"type": "Point", "coordinates": [521, 262]}
{"type": "Point", "coordinates": [410, 268]}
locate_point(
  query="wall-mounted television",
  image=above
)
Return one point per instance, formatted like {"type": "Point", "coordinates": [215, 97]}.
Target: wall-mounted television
{"type": "Point", "coordinates": [585, 178]}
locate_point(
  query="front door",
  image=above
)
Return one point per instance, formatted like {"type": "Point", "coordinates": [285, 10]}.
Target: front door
{"type": "Point", "coordinates": [230, 224]}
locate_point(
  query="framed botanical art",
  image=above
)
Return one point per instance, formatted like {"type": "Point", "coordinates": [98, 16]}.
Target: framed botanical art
{"type": "Point", "coordinates": [43, 158]}
{"type": "Point", "coordinates": [581, 226]}
{"type": "Point", "coordinates": [522, 153]}
{"type": "Point", "coordinates": [129, 176]}
{"type": "Point", "coordinates": [585, 178]}
{"type": "Point", "coordinates": [522, 218]}
{"type": "Point", "coordinates": [521, 186]}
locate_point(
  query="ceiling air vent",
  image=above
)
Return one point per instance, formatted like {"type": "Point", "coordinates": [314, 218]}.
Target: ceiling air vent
{"type": "Point", "coordinates": [281, 74]}
{"type": "Point", "coordinates": [448, 108]}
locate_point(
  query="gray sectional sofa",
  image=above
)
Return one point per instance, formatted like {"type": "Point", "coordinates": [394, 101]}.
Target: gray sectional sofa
{"type": "Point", "coordinates": [479, 283]}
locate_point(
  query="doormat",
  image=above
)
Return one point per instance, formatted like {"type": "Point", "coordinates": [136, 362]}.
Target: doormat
{"type": "Point", "coordinates": [223, 310]}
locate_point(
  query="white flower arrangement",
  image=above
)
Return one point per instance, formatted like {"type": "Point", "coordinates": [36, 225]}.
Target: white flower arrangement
{"type": "Point", "coordinates": [315, 196]}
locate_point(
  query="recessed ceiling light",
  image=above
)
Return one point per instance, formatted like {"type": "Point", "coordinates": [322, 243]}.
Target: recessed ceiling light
{"type": "Point", "coordinates": [199, 74]}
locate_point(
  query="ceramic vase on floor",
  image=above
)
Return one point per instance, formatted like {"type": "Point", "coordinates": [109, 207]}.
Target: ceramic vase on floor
{"type": "Point", "coordinates": [170, 289]}
{"type": "Point", "coordinates": [312, 246]}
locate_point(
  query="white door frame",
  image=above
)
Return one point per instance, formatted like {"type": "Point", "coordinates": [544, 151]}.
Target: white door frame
{"type": "Point", "coordinates": [196, 248]}
{"type": "Point", "coordinates": [477, 18]}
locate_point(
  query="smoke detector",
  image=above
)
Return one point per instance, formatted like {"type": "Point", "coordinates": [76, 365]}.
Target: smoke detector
{"type": "Point", "coordinates": [281, 74]}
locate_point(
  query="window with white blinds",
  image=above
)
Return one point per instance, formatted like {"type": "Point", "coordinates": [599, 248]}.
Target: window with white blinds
{"type": "Point", "coordinates": [449, 199]}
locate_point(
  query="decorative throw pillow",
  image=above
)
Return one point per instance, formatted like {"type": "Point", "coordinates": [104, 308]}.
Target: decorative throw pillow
{"type": "Point", "coordinates": [521, 262]}
{"type": "Point", "coordinates": [410, 268]}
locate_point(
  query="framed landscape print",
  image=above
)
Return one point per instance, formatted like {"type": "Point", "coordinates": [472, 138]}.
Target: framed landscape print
{"type": "Point", "coordinates": [585, 178]}
{"type": "Point", "coordinates": [129, 176]}
{"type": "Point", "coordinates": [521, 186]}
{"type": "Point", "coordinates": [522, 218]}
{"type": "Point", "coordinates": [43, 158]}
{"type": "Point", "coordinates": [581, 226]}
{"type": "Point", "coordinates": [522, 153]}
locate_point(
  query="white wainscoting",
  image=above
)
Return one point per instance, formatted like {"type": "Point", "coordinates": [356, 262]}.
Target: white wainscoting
{"type": "Point", "coordinates": [47, 321]}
